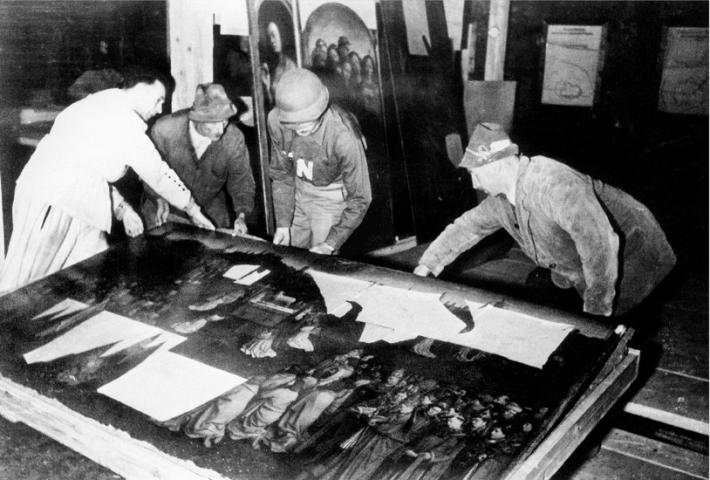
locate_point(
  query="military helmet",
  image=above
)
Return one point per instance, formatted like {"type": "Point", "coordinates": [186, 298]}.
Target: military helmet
{"type": "Point", "coordinates": [300, 96]}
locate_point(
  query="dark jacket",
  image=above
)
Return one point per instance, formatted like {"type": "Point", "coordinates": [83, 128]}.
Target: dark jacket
{"type": "Point", "coordinates": [592, 236]}
{"type": "Point", "coordinates": [223, 166]}
{"type": "Point", "coordinates": [334, 153]}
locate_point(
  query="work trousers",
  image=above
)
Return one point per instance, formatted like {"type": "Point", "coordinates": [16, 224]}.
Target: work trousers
{"type": "Point", "coordinates": [317, 210]}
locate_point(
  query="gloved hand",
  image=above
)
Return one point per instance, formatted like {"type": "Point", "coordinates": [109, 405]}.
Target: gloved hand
{"type": "Point", "coordinates": [132, 223]}
{"type": "Point", "coordinates": [161, 213]}
{"type": "Point", "coordinates": [282, 236]}
{"type": "Point", "coordinates": [197, 217]}
{"type": "Point", "coordinates": [240, 225]}
{"type": "Point", "coordinates": [322, 249]}
{"type": "Point", "coordinates": [422, 271]}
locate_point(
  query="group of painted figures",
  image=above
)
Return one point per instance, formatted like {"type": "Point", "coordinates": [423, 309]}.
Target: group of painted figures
{"type": "Point", "coordinates": [357, 75]}
{"type": "Point", "coordinates": [350, 418]}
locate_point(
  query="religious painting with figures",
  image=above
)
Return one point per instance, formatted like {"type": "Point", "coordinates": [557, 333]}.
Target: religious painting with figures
{"type": "Point", "coordinates": [339, 44]}
{"type": "Point", "coordinates": [277, 44]}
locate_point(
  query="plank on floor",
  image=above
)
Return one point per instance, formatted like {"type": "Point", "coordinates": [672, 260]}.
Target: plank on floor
{"type": "Point", "coordinates": [627, 456]}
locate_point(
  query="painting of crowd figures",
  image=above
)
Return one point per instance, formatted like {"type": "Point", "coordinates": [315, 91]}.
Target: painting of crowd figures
{"type": "Point", "coordinates": [340, 49]}
{"type": "Point", "coordinates": [338, 46]}
{"type": "Point", "coordinates": [352, 417]}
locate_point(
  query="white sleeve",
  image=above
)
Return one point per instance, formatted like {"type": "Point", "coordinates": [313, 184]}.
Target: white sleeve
{"type": "Point", "coordinates": [147, 163]}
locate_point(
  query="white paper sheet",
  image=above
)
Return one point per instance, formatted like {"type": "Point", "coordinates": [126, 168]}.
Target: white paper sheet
{"type": "Point", "coordinates": [572, 60]}
{"type": "Point", "coordinates": [67, 306]}
{"type": "Point", "coordinates": [374, 333]}
{"type": "Point", "coordinates": [236, 272]}
{"type": "Point", "coordinates": [516, 336]}
{"type": "Point", "coordinates": [103, 329]}
{"type": "Point", "coordinates": [253, 277]}
{"type": "Point", "coordinates": [684, 82]}
{"type": "Point", "coordinates": [337, 290]}
{"type": "Point", "coordinates": [167, 385]}
{"type": "Point", "coordinates": [415, 313]}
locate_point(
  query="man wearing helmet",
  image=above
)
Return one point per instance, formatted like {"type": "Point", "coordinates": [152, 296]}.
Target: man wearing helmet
{"type": "Point", "coordinates": [320, 179]}
{"type": "Point", "coordinates": [591, 236]}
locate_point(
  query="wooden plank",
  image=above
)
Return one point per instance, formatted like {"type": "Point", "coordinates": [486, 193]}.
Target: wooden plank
{"type": "Point", "coordinates": [612, 465]}
{"type": "Point", "coordinates": [675, 399]}
{"type": "Point", "coordinates": [191, 45]}
{"type": "Point", "coordinates": [260, 119]}
{"type": "Point", "coordinates": [497, 37]}
{"type": "Point", "coordinates": [655, 452]}
{"type": "Point", "coordinates": [560, 444]}
{"type": "Point", "coordinates": [134, 459]}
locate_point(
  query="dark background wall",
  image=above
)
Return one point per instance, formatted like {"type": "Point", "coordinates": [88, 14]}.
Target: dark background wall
{"type": "Point", "coordinates": [47, 44]}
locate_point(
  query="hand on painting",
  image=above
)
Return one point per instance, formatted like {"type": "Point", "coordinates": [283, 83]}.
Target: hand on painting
{"type": "Point", "coordinates": [197, 217]}
{"type": "Point", "coordinates": [161, 213]}
{"type": "Point", "coordinates": [322, 249]}
{"type": "Point", "coordinates": [132, 222]}
{"type": "Point", "coordinates": [240, 225]}
{"type": "Point", "coordinates": [422, 271]}
{"type": "Point", "coordinates": [282, 236]}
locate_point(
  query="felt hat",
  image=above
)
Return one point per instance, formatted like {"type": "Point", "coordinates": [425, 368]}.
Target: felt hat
{"type": "Point", "coordinates": [300, 97]}
{"type": "Point", "coordinates": [488, 143]}
{"type": "Point", "coordinates": [211, 104]}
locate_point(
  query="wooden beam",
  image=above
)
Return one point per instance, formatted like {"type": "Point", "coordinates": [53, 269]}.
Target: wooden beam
{"type": "Point", "coordinates": [190, 26]}
{"type": "Point", "coordinates": [574, 428]}
{"type": "Point", "coordinates": [497, 35]}
{"type": "Point", "coordinates": [105, 445]}
{"type": "Point", "coordinates": [260, 117]}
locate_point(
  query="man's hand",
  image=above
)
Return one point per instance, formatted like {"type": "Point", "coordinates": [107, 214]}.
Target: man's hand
{"type": "Point", "coordinates": [132, 223]}
{"type": "Point", "coordinates": [240, 225]}
{"type": "Point", "coordinates": [198, 218]}
{"type": "Point", "coordinates": [282, 236]}
{"type": "Point", "coordinates": [161, 213]}
{"type": "Point", "coordinates": [422, 271]}
{"type": "Point", "coordinates": [323, 249]}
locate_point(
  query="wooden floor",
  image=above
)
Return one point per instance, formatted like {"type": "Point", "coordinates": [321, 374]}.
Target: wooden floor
{"type": "Point", "coordinates": [627, 456]}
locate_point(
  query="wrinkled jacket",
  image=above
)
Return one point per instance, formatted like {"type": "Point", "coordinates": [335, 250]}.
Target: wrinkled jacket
{"type": "Point", "coordinates": [223, 166]}
{"type": "Point", "coordinates": [332, 154]}
{"type": "Point", "coordinates": [592, 236]}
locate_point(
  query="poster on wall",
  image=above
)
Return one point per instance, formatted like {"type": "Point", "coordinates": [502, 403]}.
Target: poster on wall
{"type": "Point", "coordinates": [684, 79]}
{"type": "Point", "coordinates": [339, 44]}
{"type": "Point", "coordinates": [573, 60]}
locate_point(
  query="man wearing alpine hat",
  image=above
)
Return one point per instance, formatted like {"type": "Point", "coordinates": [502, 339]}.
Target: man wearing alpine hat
{"type": "Point", "coordinates": [591, 236]}
{"type": "Point", "coordinates": [210, 156]}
